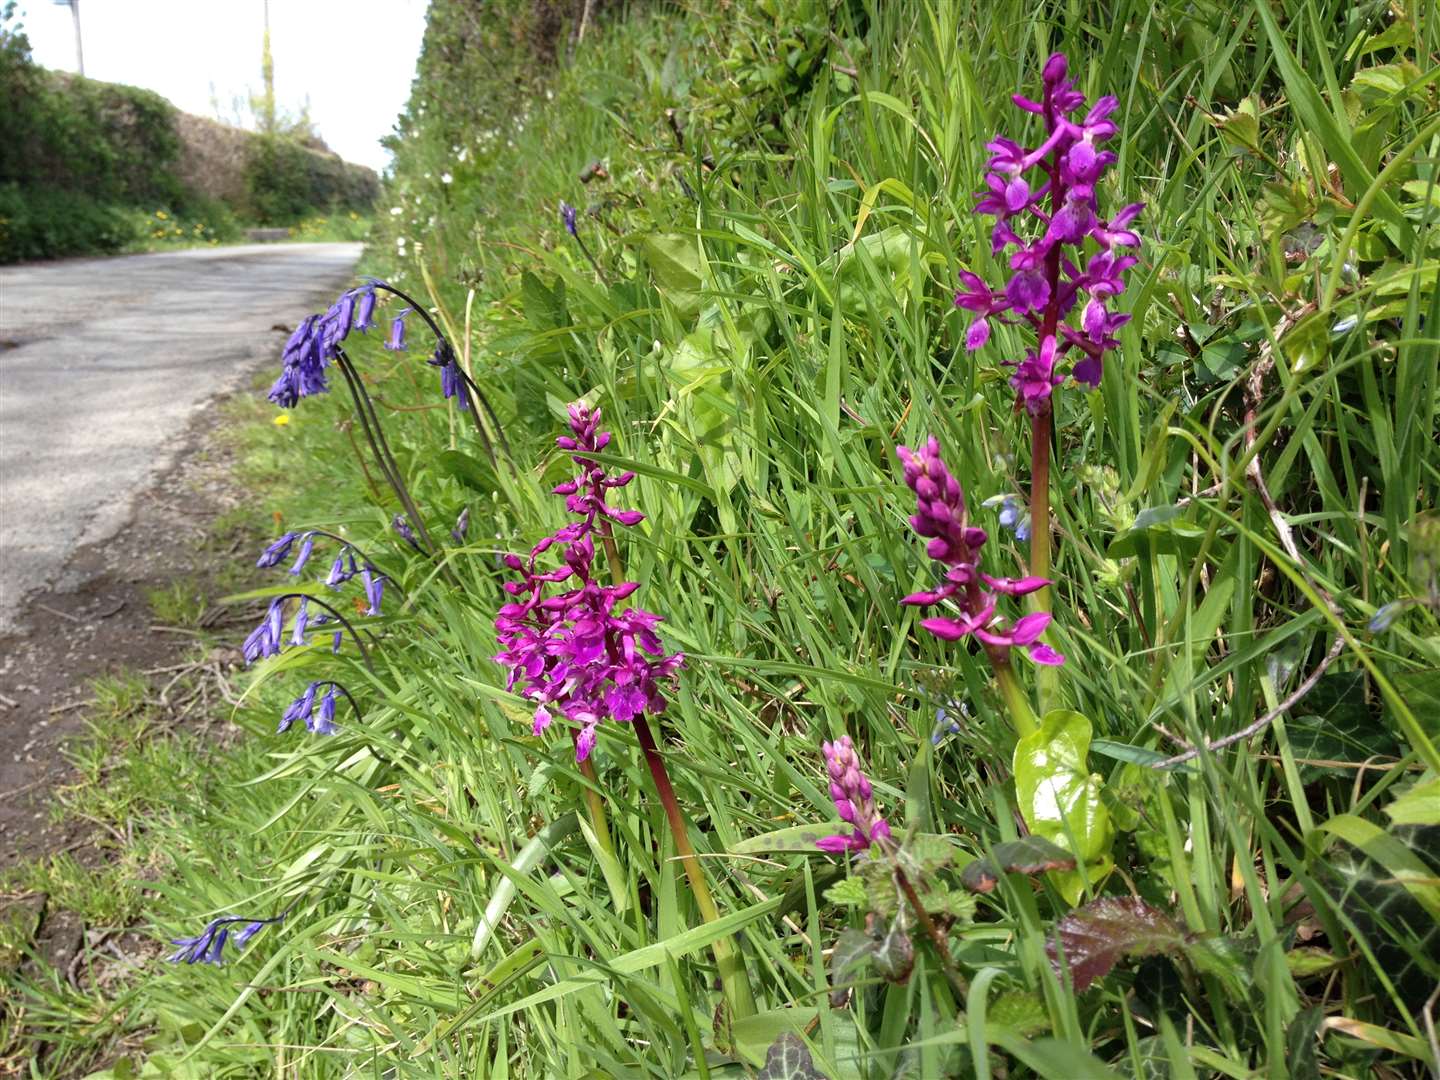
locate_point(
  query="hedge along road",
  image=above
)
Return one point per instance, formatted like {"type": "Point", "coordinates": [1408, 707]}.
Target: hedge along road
{"type": "Point", "coordinates": [103, 363]}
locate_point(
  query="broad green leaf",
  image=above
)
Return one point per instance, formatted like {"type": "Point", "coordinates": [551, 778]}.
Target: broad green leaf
{"type": "Point", "coordinates": [1058, 796]}
{"type": "Point", "coordinates": [1419, 805]}
{"type": "Point", "coordinates": [793, 838]}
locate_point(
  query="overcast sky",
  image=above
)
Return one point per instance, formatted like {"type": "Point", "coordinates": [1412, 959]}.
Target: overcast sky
{"type": "Point", "coordinates": [353, 59]}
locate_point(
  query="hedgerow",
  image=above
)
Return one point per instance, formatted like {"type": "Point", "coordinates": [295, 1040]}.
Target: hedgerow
{"type": "Point", "coordinates": [726, 265]}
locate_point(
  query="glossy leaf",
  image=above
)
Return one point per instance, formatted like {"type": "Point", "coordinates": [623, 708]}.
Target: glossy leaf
{"type": "Point", "coordinates": [1058, 796]}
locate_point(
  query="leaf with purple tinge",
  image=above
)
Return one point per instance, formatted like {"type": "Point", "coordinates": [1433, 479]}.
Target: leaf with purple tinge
{"type": "Point", "coordinates": [1094, 937]}
{"type": "Point", "coordinates": [1031, 855]}
{"type": "Point", "coordinates": [789, 1059]}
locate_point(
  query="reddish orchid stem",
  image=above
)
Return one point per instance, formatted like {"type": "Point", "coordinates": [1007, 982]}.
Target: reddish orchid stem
{"type": "Point", "coordinates": [727, 955]}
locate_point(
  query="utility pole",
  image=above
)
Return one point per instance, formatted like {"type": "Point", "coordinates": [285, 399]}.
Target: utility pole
{"type": "Point", "coordinates": [267, 73]}
{"type": "Point", "coordinates": [74, 6]}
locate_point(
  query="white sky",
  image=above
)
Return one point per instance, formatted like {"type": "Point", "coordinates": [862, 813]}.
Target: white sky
{"type": "Point", "coordinates": [353, 59]}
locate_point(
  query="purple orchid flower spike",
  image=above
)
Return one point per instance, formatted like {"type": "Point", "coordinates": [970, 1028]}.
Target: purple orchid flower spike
{"type": "Point", "coordinates": [854, 801]}
{"type": "Point", "coordinates": [1047, 220]}
{"type": "Point", "coordinates": [583, 653]}
{"type": "Point", "coordinates": [942, 518]}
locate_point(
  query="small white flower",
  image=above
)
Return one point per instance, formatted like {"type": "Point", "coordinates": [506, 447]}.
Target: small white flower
{"type": "Point", "coordinates": [446, 178]}
{"type": "Point", "coordinates": [396, 211]}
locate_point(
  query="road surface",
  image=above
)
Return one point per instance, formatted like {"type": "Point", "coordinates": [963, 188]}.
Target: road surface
{"type": "Point", "coordinates": [103, 363]}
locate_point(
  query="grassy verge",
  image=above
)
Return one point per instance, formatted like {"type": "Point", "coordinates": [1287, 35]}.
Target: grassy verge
{"type": "Point", "coordinates": [759, 293]}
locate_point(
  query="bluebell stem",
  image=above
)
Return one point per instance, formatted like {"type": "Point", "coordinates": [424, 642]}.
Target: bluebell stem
{"type": "Point", "coordinates": [208, 946]}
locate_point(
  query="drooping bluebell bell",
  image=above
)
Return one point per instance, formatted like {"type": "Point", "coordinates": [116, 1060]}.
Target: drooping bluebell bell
{"type": "Point", "coordinates": [208, 946]}
{"type": "Point", "coordinates": [307, 545]}
{"type": "Point", "coordinates": [302, 615]}
{"type": "Point", "coordinates": [407, 534]}
{"type": "Point", "coordinates": [374, 585]}
{"type": "Point", "coordinates": [567, 217]}
{"type": "Point", "coordinates": [396, 341]}
{"type": "Point", "coordinates": [264, 640]}
{"type": "Point", "coordinates": [299, 709]}
{"type": "Point", "coordinates": [324, 720]}
{"type": "Point", "coordinates": [462, 526]}
{"type": "Point", "coordinates": [278, 551]}
{"type": "Point", "coordinates": [365, 311]}
{"type": "Point", "coordinates": [450, 378]}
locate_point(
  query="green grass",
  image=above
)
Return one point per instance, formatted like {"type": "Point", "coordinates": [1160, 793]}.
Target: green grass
{"type": "Point", "coordinates": [759, 350]}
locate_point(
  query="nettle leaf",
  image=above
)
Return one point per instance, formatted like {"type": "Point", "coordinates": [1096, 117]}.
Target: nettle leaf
{"type": "Point", "coordinates": [1060, 799]}
{"type": "Point", "coordinates": [1094, 937]}
{"type": "Point", "coordinates": [931, 852]}
{"type": "Point", "coordinates": [1031, 855]}
{"type": "Point", "coordinates": [849, 893]}
{"type": "Point", "coordinates": [895, 955]}
{"type": "Point", "coordinates": [881, 888]}
{"type": "Point", "coordinates": [789, 1059]}
{"type": "Point", "coordinates": [1021, 1012]}
{"type": "Point", "coordinates": [948, 905]}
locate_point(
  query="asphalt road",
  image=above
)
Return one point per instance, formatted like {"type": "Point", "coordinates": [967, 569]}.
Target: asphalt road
{"type": "Point", "coordinates": [103, 364]}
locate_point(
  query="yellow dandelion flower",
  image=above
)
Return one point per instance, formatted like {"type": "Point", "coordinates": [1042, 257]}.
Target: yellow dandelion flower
{"type": "Point", "coordinates": [281, 420]}
{"type": "Point", "coordinates": [161, 214]}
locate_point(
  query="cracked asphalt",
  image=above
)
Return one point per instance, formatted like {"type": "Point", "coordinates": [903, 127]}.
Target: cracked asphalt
{"type": "Point", "coordinates": [103, 365]}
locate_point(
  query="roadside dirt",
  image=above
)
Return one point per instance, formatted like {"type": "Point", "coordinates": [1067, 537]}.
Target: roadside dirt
{"type": "Point", "coordinates": [97, 620]}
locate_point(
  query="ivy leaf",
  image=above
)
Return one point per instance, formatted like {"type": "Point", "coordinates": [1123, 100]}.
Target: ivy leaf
{"type": "Point", "coordinates": [1031, 855]}
{"type": "Point", "coordinates": [1095, 936]}
{"type": "Point", "coordinates": [789, 1059]}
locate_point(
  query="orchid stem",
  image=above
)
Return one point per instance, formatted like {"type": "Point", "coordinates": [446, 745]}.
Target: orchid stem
{"type": "Point", "coordinates": [727, 953]}
{"type": "Point", "coordinates": [1048, 680]}
{"type": "Point", "coordinates": [937, 939]}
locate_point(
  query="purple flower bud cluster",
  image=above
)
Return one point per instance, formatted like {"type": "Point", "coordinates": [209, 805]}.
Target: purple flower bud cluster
{"type": "Point", "coordinates": [854, 801]}
{"type": "Point", "coordinates": [1040, 222]}
{"type": "Point", "coordinates": [312, 346]}
{"type": "Point", "coordinates": [940, 516]}
{"type": "Point", "coordinates": [582, 653]}
{"type": "Point", "coordinates": [208, 946]}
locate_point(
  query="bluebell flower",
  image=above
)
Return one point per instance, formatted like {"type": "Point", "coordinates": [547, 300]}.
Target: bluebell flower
{"type": "Point", "coordinates": [307, 545]}
{"type": "Point", "coordinates": [449, 374]}
{"type": "Point", "coordinates": [407, 534]}
{"type": "Point", "coordinates": [277, 551]}
{"type": "Point", "coordinates": [1383, 618]}
{"type": "Point", "coordinates": [324, 720]}
{"type": "Point", "coordinates": [567, 216]}
{"type": "Point", "coordinates": [208, 946]}
{"type": "Point", "coordinates": [396, 342]}
{"type": "Point", "coordinates": [374, 584]}
{"type": "Point", "coordinates": [462, 526]}
{"type": "Point", "coordinates": [264, 640]}
{"type": "Point", "coordinates": [297, 637]}
{"type": "Point", "coordinates": [299, 709]}
{"type": "Point", "coordinates": [365, 310]}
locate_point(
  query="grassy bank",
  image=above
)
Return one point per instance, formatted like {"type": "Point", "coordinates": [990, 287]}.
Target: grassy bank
{"type": "Point", "coordinates": [774, 209]}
